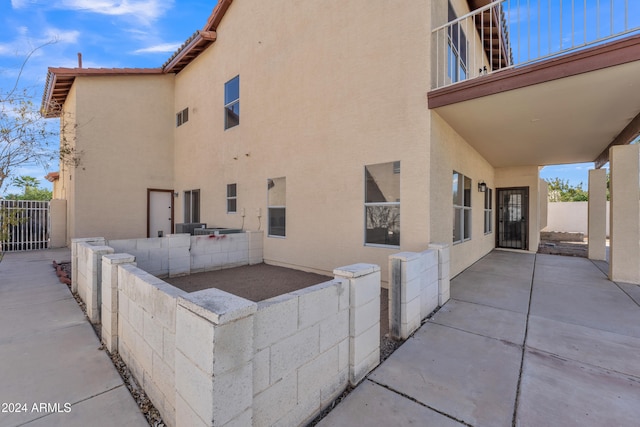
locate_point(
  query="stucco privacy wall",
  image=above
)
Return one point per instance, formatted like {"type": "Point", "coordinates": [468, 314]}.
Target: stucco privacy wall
{"type": "Point", "coordinates": [335, 113]}
{"type": "Point", "coordinates": [450, 152]}
{"type": "Point", "coordinates": [571, 217]}
{"type": "Point", "coordinates": [120, 154]}
{"type": "Point", "coordinates": [211, 355]}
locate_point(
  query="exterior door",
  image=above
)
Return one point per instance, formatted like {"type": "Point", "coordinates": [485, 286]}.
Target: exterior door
{"type": "Point", "coordinates": [159, 213]}
{"type": "Point", "coordinates": [513, 218]}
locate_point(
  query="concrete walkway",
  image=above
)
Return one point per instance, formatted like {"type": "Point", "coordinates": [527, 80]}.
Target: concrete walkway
{"type": "Point", "coordinates": [51, 368]}
{"type": "Point", "coordinates": [526, 340]}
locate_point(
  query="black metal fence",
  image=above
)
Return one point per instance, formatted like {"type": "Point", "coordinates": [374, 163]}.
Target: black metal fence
{"type": "Point", "coordinates": [24, 225]}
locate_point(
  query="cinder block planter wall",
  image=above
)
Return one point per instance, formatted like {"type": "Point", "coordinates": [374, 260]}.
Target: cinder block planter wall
{"type": "Point", "coordinates": [418, 284]}
{"type": "Point", "coordinates": [210, 358]}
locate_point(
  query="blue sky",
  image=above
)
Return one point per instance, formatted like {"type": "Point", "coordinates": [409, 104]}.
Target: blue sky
{"type": "Point", "coordinates": [109, 33]}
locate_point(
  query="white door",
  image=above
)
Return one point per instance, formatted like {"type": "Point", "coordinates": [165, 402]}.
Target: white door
{"type": "Point", "coordinates": [160, 213]}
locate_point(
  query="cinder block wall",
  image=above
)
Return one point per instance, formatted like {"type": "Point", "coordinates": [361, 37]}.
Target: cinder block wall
{"type": "Point", "coordinates": [147, 334]}
{"type": "Point", "coordinates": [301, 360]}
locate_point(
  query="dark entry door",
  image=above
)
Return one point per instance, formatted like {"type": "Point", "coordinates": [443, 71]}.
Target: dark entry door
{"type": "Point", "coordinates": [513, 218]}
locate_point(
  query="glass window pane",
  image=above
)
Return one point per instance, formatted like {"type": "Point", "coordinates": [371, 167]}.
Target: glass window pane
{"type": "Point", "coordinates": [195, 210]}
{"type": "Point", "coordinates": [382, 183]}
{"type": "Point", "coordinates": [277, 224]}
{"type": "Point", "coordinates": [231, 190]}
{"type": "Point", "coordinates": [457, 189]}
{"type": "Point", "coordinates": [231, 205]}
{"type": "Point", "coordinates": [457, 235]}
{"type": "Point", "coordinates": [487, 222]}
{"type": "Point", "coordinates": [232, 90]}
{"type": "Point", "coordinates": [467, 224]}
{"type": "Point", "coordinates": [467, 191]}
{"type": "Point", "coordinates": [232, 115]}
{"type": "Point", "coordinates": [383, 225]}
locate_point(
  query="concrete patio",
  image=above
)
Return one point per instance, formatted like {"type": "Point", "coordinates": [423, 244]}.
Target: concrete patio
{"type": "Point", "coordinates": [526, 340]}
{"type": "Point", "coordinates": [50, 354]}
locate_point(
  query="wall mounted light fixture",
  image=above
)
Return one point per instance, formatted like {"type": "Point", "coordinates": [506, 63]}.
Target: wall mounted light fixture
{"type": "Point", "coordinates": [482, 187]}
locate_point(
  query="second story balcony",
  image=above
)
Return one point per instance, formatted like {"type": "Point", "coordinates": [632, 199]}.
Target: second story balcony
{"type": "Point", "coordinates": [539, 82]}
{"type": "Point", "coordinates": [507, 34]}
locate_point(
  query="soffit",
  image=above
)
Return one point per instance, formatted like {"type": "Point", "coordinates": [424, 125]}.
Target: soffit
{"type": "Point", "coordinates": [557, 120]}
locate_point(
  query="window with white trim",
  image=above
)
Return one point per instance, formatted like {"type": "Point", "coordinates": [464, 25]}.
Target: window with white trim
{"type": "Point", "coordinates": [382, 204]}
{"type": "Point", "coordinates": [232, 103]}
{"type": "Point", "coordinates": [232, 198]}
{"type": "Point", "coordinates": [192, 206]}
{"type": "Point", "coordinates": [277, 206]}
{"type": "Point", "coordinates": [488, 211]}
{"type": "Point", "coordinates": [461, 207]}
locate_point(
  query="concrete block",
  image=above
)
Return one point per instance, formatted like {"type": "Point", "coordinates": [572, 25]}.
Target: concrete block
{"type": "Point", "coordinates": [364, 317]}
{"type": "Point", "coordinates": [186, 416]}
{"type": "Point", "coordinates": [164, 304]}
{"type": "Point", "coordinates": [233, 345]}
{"type": "Point", "coordinates": [164, 377]}
{"type": "Point", "coordinates": [135, 317]}
{"type": "Point", "coordinates": [335, 329]}
{"type": "Point", "coordinates": [261, 367]}
{"type": "Point", "coordinates": [217, 306]}
{"type": "Point", "coordinates": [143, 353]}
{"type": "Point", "coordinates": [242, 420]}
{"type": "Point", "coordinates": [237, 258]}
{"type": "Point", "coordinates": [363, 345]}
{"type": "Point", "coordinates": [194, 339]}
{"type": "Point", "coordinates": [360, 370]}
{"type": "Point", "coordinates": [169, 347]}
{"type": "Point", "coordinates": [343, 354]}
{"type": "Point", "coordinates": [195, 387]}
{"type": "Point", "coordinates": [179, 265]}
{"type": "Point", "coordinates": [318, 302]}
{"type": "Point", "coordinates": [152, 243]}
{"type": "Point", "coordinates": [410, 317]}
{"type": "Point", "coordinates": [233, 394]}
{"type": "Point", "coordinates": [275, 319]}
{"type": "Point", "coordinates": [290, 353]}
{"type": "Point", "coordinates": [334, 387]}
{"type": "Point", "coordinates": [364, 289]}
{"type": "Point", "coordinates": [307, 408]}
{"type": "Point", "coordinates": [153, 333]}
{"type": "Point", "coordinates": [410, 290]}
{"type": "Point", "coordinates": [318, 372]}
{"type": "Point", "coordinates": [279, 399]}
{"type": "Point", "coordinates": [354, 271]}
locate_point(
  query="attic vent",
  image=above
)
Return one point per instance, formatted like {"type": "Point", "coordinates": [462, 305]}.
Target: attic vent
{"type": "Point", "coordinates": [182, 117]}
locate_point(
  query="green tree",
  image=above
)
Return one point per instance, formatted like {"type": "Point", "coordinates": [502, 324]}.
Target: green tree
{"type": "Point", "coordinates": [561, 191]}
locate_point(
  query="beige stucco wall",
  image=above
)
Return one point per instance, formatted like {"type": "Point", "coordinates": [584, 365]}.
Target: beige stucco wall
{"type": "Point", "coordinates": [123, 136]}
{"type": "Point", "coordinates": [450, 152]}
{"type": "Point", "coordinates": [325, 89]}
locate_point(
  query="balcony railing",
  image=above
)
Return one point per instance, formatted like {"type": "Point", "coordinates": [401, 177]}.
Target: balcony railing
{"type": "Point", "coordinates": [511, 33]}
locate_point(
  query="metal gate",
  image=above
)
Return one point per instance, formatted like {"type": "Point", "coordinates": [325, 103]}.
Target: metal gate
{"type": "Point", "coordinates": [513, 218]}
{"type": "Point", "coordinates": [24, 225]}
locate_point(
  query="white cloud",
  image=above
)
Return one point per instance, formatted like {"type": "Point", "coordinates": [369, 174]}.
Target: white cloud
{"type": "Point", "coordinates": [159, 48]}
{"type": "Point", "coordinates": [62, 36]}
{"type": "Point", "coordinates": [144, 10]}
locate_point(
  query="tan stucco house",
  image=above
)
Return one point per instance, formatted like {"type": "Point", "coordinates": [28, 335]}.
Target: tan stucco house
{"type": "Point", "coordinates": [347, 131]}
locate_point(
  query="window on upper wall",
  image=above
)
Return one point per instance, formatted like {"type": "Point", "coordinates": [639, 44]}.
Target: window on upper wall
{"type": "Point", "coordinates": [456, 50]}
{"type": "Point", "coordinates": [488, 211]}
{"type": "Point", "coordinates": [232, 198]}
{"type": "Point", "coordinates": [277, 206]}
{"type": "Point", "coordinates": [382, 204]}
{"type": "Point", "coordinates": [232, 103]}
{"type": "Point", "coordinates": [461, 207]}
{"type": "Point", "coordinates": [182, 117]}
{"type": "Point", "coordinates": [192, 206]}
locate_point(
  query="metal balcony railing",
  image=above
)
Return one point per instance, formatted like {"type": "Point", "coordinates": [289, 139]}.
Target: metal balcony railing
{"type": "Point", "coordinates": [512, 33]}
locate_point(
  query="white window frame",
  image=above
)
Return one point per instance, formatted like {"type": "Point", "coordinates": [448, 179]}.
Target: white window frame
{"type": "Point", "coordinates": [488, 211]}
{"type": "Point", "coordinates": [270, 207]}
{"type": "Point", "coordinates": [230, 104]}
{"type": "Point", "coordinates": [234, 197]}
{"type": "Point", "coordinates": [464, 208]}
{"type": "Point", "coordinates": [396, 170]}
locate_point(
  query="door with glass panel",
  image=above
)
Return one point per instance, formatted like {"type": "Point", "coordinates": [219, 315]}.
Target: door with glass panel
{"type": "Point", "coordinates": [513, 218]}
